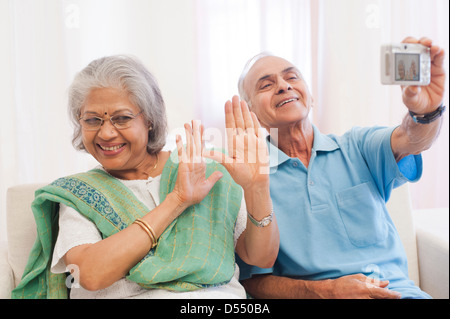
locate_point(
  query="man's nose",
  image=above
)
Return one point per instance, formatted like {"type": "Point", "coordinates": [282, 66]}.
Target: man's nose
{"type": "Point", "coordinates": [283, 86]}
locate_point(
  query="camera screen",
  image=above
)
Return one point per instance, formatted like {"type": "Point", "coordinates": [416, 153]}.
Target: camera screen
{"type": "Point", "coordinates": [407, 67]}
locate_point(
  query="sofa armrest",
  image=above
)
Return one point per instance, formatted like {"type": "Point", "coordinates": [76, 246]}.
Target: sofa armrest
{"type": "Point", "coordinates": [6, 273]}
{"type": "Point", "coordinates": [432, 231]}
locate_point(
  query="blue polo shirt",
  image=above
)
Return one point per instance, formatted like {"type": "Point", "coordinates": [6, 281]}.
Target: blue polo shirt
{"type": "Point", "coordinates": [332, 215]}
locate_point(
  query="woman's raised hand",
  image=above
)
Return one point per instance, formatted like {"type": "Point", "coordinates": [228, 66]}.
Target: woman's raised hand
{"type": "Point", "coordinates": [192, 186]}
{"type": "Point", "coordinates": [248, 158]}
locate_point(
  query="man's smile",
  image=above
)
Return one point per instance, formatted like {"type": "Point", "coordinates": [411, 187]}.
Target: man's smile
{"type": "Point", "coordinates": [286, 101]}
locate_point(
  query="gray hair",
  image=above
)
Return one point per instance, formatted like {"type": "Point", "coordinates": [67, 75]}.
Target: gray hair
{"type": "Point", "coordinates": [242, 93]}
{"type": "Point", "coordinates": [124, 73]}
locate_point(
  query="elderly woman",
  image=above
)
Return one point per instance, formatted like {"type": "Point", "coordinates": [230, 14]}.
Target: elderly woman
{"type": "Point", "coordinates": [146, 223]}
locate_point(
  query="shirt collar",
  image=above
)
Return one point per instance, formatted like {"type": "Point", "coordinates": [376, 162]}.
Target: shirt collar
{"type": "Point", "coordinates": [321, 143]}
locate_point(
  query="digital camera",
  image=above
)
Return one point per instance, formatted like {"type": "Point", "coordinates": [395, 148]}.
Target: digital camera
{"type": "Point", "coordinates": [405, 64]}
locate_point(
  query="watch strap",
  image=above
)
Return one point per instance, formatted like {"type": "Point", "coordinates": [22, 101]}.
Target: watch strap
{"type": "Point", "coordinates": [429, 117]}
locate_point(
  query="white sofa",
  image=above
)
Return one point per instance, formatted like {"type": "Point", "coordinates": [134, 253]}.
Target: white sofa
{"type": "Point", "coordinates": [427, 250]}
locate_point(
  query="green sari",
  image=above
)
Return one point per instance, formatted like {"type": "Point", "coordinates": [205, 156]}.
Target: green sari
{"type": "Point", "coordinates": [196, 250]}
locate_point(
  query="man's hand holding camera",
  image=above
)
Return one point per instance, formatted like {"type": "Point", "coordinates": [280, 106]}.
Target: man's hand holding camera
{"type": "Point", "coordinates": [426, 99]}
{"type": "Point", "coordinates": [421, 126]}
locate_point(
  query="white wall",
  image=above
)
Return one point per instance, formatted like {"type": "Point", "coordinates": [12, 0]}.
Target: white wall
{"type": "Point", "coordinates": [196, 49]}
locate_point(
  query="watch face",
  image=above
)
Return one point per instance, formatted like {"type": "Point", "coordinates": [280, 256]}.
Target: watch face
{"type": "Point", "coordinates": [265, 222]}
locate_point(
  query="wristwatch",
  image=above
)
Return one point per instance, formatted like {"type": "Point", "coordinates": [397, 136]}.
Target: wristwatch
{"type": "Point", "coordinates": [263, 222]}
{"type": "Point", "coordinates": [430, 117]}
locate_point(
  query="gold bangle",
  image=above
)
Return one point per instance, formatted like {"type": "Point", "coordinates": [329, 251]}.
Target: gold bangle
{"type": "Point", "coordinates": [148, 229]}
{"type": "Point", "coordinates": [145, 229]}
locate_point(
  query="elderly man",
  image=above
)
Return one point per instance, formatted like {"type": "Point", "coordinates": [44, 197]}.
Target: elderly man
{"type": "Point", "coordinates": [329, 192]}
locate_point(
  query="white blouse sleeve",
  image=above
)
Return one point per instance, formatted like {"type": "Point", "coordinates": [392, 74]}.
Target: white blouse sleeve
{"type": "Point", "coordinates": [241, 221]}
{"type": "Point", "coordinates": [74, 230]}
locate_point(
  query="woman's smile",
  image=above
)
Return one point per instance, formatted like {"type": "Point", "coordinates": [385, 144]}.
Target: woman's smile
{"type": "Point", "coordinates": [111, 149]}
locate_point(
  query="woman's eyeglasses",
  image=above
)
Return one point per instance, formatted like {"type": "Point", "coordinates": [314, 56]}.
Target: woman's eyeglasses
{"type": "Point", "coordinates": [120, 121]}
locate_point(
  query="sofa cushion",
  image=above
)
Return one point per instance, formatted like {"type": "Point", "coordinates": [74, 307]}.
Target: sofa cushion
{"type": "Point", "coordinates": [21, 227]}
{"type": "Point", "coordinates": [432, 249]}
{"type": "Point", "coordinates": [6, 277]}
{"type": "Point", "coordinates": [400, 210]}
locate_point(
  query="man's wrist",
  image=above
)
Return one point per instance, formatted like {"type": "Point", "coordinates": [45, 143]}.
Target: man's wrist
{"type": "Point", "coordinates": [312, 289]}
{"type": "Point", "coordinates": [256, 188]}
{"type": "Point", "coordinates": [257, 195]}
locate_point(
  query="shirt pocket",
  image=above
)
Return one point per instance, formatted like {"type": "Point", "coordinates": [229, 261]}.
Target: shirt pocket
{"type": "Point", "coordinates": [362, 214]}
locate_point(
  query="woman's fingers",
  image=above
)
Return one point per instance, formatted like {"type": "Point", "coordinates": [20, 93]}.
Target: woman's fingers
{"type": "Point", "coordinates": [218, 157]}
{"type": "Point", "coordinates": [181, 152]}
{"type": "Point", "coordinates": [197, 138]}
{"type": "Point", "coordinates": [194, 142]}
{"type": "Point", "coordinates": [202, 131]}
{"type": "Point", "coordinates": [213, 179]}
{"type": "Point", "coordinates": [189, 142]}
